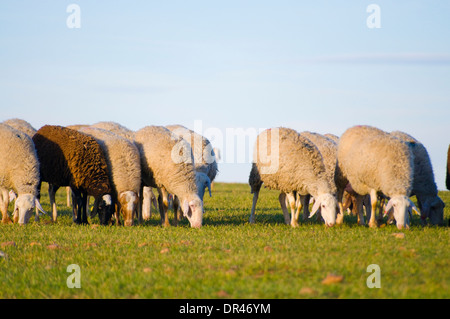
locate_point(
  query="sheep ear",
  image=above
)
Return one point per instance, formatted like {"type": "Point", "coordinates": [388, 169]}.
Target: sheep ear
{"type": "Point", "coordinates": [315, 208]}
{"type": "Point", "coordinates": [12, 195]}
{"type": "Point", "coordinates": [107, 199]}
{"type": "Point", "coordinates": [185, 207]}
{"type": "Point", "coordinates": [38, 206]}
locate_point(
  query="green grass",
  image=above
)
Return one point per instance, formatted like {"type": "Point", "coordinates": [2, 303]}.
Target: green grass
{"type": "Point", "coordinates": [226, 258]}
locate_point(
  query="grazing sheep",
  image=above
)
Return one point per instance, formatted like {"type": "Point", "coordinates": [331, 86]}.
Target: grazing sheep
{"type": "Point", "coordinates": [19, 171]}
{"type": "Point", "coordinates": [167, 163]}
{"type": "Point", "coordinates": [124, 168]}
{"type": "Point", "coordinates": [374, 161]}
{"type": "Point", "coordinates": [70, 158]}
{"type": "Point", "coordinates": [424, 186]}
{"type": "Point", "coordinates": [294, 165]}
{"type": "Point", "coordinates": [327, 149]}
{"type": "Point", "coordinates": [204, 157]}
{"type": "Point", "coordinates": [22, 126]}
{"type": "Point", "coordinates": [144, 210]}
{"type": "Point", "coordinates": [29, 130]}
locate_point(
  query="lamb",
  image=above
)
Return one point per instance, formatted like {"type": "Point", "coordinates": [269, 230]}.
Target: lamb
{"type": "Point", "coordinates": [70, 158]}
{"type": "Point", "coordinates": [424, 186]}
{"type": "Point", "coordinates": [204, 157]}
{"type": "Point", "coordinates": [374, 161]}
{"type": "Point", "coordinates": [124, 168]}
{"type": "Point", "coordinates": [294, 165]}
{"type": "Point", "coordinates": [19, 170]}
{"type": "Point", "coordinates": [168, 164]}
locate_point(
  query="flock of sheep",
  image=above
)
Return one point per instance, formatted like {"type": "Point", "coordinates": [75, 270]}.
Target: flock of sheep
{"type": "Point", "coordinates": [119, 168]}
{"type": "Point", "coordinates": [365, 165]}
{"type": "Point", "coordinates": [108, 162]}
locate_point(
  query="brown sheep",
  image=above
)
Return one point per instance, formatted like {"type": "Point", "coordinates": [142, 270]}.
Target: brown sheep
{"type": "Point", "coordinates": [70, 158]}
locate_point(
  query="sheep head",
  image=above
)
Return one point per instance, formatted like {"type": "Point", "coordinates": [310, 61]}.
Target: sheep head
{"type": "Point", "coordinates": [192, 208]}
{"type": "Point", "coordinates": [402, 207]}
{"type": "Point", "coordinates": [128, 203]}
{"type": "Point", "coordinates": [24, 207]}
{"type": "Point", "coordinates": [328, 206]}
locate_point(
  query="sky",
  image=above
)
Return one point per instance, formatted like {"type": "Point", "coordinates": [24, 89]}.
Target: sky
{"type": "Point", "coordinates": [230, 68]}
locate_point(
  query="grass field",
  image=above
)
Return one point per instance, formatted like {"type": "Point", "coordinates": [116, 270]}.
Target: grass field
{"type": "Point", "coordinates": [226, 258]}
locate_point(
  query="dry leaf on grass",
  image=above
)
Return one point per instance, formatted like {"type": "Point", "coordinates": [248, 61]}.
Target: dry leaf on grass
{"type": "Point", "coordinates": [222, 294]}
{"type": "Point", "coordinates": [332, 279]}
{"type": "Point", "coordinates": [9, 243]}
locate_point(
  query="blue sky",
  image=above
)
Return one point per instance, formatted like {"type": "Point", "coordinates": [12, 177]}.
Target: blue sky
{"type": "Point", "coordinates": [231, 64]}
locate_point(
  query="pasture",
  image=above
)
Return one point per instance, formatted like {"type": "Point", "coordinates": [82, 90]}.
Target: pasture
{"type": "Point", "coordinates": [226, 258]}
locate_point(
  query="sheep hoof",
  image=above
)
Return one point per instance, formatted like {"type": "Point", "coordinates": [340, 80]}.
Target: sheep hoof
{"type": "Point", "coordinates": [373, 225]}
{"type": "Point", "coordinates": [294, 224]}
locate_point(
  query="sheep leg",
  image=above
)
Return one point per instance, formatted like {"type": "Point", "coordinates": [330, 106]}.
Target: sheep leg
{"type": "Point", "coordinates": [175, 206]}
{"type": "Point", "coordinates": [84, 197]}
{"type": "Point", "coordinates": [140, 204]}
{"type": "Point", "coordinates": [4, 206]}
{"type": "Point", "coordinates": [290, 199]}
{"type": "Point", "coordinates": [340, 215]}
{"type": "Point", "coordinates": [51, 193]}
{"type": "Point", "coordinates": [359, 209]}
{"type": "Point", "coordinates": [78, 205]}
{"type": "Point", "coordinates": [282, 199]}
{"type": "Point", "coordinates": [255, 200]}
{"type": "Point", "coordinates": [36, 216]}
{"type": "Point", "coordinates": [163, 207]}
{"type": "Point", "coordinates": [299, 205]}
{"type": "Point", "coordinates": [373, 203]}
{"type": "Point", "coordinates": [304, 199]}
{"type": "Point", "coordinates": [146, 203]}
{"type": "Point", "coordinates": [69, 197]}
{"type": "Point", "coordinates": [380, 209]}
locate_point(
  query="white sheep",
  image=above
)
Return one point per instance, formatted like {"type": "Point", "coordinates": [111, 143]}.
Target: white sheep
{"type": "Point", "coordinates": [289, 162]}
{"type": "Point", "coordinates": [167, 163]}
{"type": "Point", "coordinates": [204, 157]}
{"type": "Point", "coordinates": [328, 150]}
{"type": "Point", "coordinates": [19, 171]}
{"type": "Point", "coordinates": [147, 196]}
{"type": "Point", "coordinates": [29, 130]}
{"type": "Point", "coordinates": [424, 187]}
{"type": "Point", "coordinates": [124, 167]}
{"type": "Point", "coordinates": [374, 161]}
